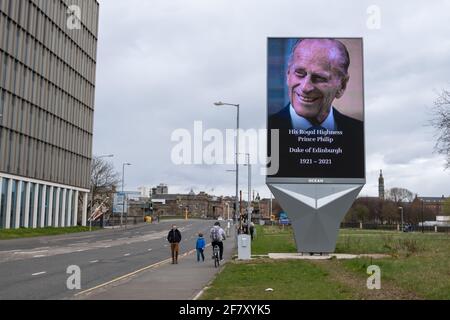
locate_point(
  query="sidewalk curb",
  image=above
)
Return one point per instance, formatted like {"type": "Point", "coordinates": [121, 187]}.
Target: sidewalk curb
{"type": "Point", "coordinates": [128, 275]}
{"type": "Point", "coordinates": [199, 294]}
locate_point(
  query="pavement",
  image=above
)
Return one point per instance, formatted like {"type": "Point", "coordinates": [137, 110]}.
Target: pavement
{"type": "Point", "coordinates": [38, 268]}
{"type": "Point", "coordinates": [164, 280]}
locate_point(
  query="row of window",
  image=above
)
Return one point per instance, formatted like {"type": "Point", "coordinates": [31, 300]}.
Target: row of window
{"type": "Point", "coordinates": [35, 89]}
{"type": "Point", "coordinates": [20, 44]}
{"type": "Point", "coordinates": [26, 156]}
{"type": "Point", "coordinates": [38, 59]}
{"type": "Point", "coordinates": [47, 206]}
{"type": "Point", "coordinates": [21, 116]}
{"type": "Point", "coordinates": [31, 15]}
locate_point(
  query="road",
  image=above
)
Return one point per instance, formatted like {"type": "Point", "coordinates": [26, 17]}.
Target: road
{"type": "Point", "coordinates": [36, 268]}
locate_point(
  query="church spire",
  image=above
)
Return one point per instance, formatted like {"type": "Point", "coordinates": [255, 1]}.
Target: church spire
{"type": "Point", "coordinates": [381, 186]}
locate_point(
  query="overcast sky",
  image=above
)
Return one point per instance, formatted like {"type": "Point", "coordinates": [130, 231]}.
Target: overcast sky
{"type": "Point", "coordinates": [161, 65]}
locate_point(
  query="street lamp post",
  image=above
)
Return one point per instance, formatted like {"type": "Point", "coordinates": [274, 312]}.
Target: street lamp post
{"type": "Point", "coordinates": [249, 214]}
{"type": "Point", "coordinates": [123, 193]}
{"type": "Point", "coordinates": [422, 216]}
{"type": "Point", "coordinates": [401, 211]}
{"type": "Point", "coordinates": [237, 155]}
{"type": "Point", "coordinates": [228, 210]}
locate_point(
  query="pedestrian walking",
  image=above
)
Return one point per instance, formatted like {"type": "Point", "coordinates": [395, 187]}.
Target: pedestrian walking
{"type": "Point", "coordinates": [252, 229]}
{"type": "Point", "coordinates": [174, 238]}
{"type": "Point", "coordinates": [200, 246]}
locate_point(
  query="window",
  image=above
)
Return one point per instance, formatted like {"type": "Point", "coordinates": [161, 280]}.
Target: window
{"type": "Point", "coordinates": [3, 194]}
{"type": "Point", "coordinates": [5, 67]}
{"type": "Point", "coordinates": [2, 102]}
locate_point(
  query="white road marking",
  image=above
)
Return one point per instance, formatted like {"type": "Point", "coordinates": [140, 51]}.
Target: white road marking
{"type": "Point", "coordinates": [39, 273]}
{"type": "Point", "coordinates": [149, 249]}
{"type": "Point", "coordinates": [95, 261]}
{"type": "Point", "coordinates": [106, 246]}
{"type": "Point", "coordinates": [126, 254]}
{"type": "Point", "coordinates": [39, 256]}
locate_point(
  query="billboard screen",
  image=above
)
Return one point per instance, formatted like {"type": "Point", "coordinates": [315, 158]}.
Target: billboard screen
{"type": "Point", "coordinates": [316, 101]}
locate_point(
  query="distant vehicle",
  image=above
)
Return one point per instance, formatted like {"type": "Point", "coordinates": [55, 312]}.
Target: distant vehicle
{"type": "Point", "coordinates": [283, 219]}
{"type": "Point", "coordinates": [220, 218]}
{"type": "Point", "coordinates": [408, 227]}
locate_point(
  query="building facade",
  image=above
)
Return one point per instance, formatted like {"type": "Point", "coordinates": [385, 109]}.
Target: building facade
{"type": "Point", "coordinates": [434, 204]}
{"type": "Point", "coordinates": [161, 189]}
{"type": "Point", "coordinates": [48, 52]}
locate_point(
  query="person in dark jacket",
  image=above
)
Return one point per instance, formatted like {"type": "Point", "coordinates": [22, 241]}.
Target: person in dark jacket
{"type": "Point", "coordinates": [200, 246]}
{"type": "Point", "coordinates": [174, 238]}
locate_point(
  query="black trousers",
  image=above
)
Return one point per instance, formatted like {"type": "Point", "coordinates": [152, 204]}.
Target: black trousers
{"type": "Point", "coordinates": [220, 244]}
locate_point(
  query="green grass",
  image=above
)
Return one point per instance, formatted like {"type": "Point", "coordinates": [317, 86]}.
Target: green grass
{"type": "Point", "coordinates": [273, 239]}
{"type": "Point", "coordinates": [28, 233]}
{"type": "Point", "coordinates": [419, 264]}
{"type": "Point", "coordinates": [425, 271]}
{"type": "Point", "coordinates": [288, 279]}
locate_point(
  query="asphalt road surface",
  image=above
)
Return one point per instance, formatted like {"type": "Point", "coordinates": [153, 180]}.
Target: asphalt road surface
{"type": "Point", "coordinates": [36, 268]}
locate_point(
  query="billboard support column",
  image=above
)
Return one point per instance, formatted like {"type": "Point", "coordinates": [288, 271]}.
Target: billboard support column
{"type": "Point", "coordinates": [316, 211]}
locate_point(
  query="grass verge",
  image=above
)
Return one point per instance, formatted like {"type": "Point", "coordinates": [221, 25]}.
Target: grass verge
{"type": "Point", "coordinates": [29, 233]}
{"type": "Point", "coordinates": [418, 268]}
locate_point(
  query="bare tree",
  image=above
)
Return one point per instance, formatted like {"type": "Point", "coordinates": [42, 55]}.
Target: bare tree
{"type": "Point", "coordinates": [440, 120]}
{"type": "Point", "coordinates": [389, 212]}
{"type": "Point", "coordinates": [104, 181]}
{"type": "Point", "coordinates": [399, 195]}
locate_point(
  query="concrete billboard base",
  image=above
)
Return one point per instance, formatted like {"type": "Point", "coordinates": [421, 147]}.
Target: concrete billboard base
{"type": "Point", "coordinates": [316, 212]}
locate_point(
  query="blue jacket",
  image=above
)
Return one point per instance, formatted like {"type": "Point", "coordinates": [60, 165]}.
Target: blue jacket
{"type": "Point", "coordinates": [201, 243]}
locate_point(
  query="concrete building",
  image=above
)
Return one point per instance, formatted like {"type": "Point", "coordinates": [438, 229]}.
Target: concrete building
{"type": "Point", "coordinates": [145, 191]}
{"type": "Point", "coordinates": [48, 55]}
{"type": "Point", "coordinates": [161, 189]}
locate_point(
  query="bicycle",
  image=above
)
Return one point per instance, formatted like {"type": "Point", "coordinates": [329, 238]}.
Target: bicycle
{"type": "Point", "coordinates": [216, 253]}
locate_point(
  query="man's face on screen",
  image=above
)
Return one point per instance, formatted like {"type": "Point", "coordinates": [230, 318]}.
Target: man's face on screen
{"type": "Point", "coordinates": [314, 79]}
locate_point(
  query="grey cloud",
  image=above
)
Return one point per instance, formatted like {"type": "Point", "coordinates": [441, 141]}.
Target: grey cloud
{"type": "Point", "coordinates": [161, 65]}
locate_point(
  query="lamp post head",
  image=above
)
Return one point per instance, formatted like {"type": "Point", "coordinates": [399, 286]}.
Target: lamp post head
{"type": "Point", "coordinates": [220, 103]}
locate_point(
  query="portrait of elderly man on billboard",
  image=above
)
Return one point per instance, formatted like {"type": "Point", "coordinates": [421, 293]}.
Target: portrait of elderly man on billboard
{"type": "Point", "coordinates": [317, 76]}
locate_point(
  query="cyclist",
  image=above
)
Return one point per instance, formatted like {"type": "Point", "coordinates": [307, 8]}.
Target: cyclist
{"type": "Point", "coordinates": [217, 236]}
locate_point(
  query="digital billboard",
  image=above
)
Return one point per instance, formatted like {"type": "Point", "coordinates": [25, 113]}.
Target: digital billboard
{"type": "Point", "coordinates": [315, 96]}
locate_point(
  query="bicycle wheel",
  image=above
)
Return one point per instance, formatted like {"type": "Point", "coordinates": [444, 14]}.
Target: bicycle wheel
{"type": "Point", "coordinates": [216, 261]}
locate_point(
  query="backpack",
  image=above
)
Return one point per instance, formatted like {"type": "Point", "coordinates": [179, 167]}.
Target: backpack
{"type": "Point", "coordinates": [215, 235]}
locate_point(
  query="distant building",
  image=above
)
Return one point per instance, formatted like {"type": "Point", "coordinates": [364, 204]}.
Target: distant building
{"type": "Point", "coordinates": [381, 186]}
{"type": "Point", "coordinates": [201, 205]}
{"type": "Point", "coordinates": [145, 191]}
{"type": "Point", "coordinates": [161, 189]}
{"type": "Point", "coordinates": [434, 204]}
